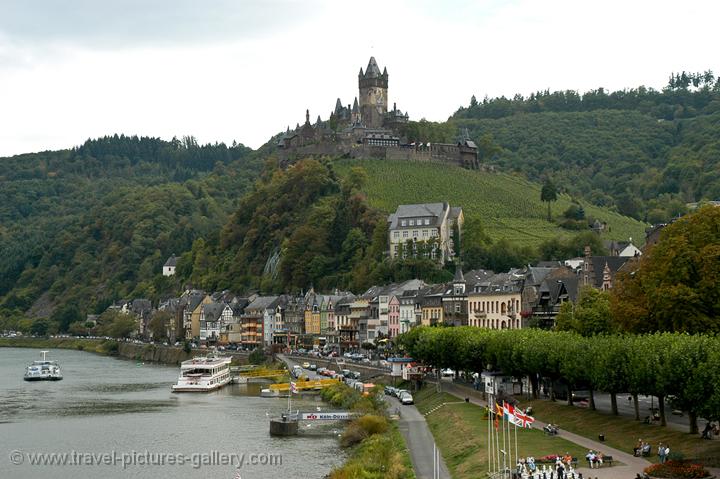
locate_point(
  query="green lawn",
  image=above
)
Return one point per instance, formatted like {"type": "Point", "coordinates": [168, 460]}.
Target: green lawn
{"type": "Point", "coordinates": [460, 431]}
{"type": "Point", "coordinates": [508, 206]}
{"type": "Point", "coordinates": [622, 432]}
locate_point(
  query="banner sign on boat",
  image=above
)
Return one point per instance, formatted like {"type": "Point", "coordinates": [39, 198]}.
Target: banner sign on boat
{"type": "Point", "coordinates": [326, 416]}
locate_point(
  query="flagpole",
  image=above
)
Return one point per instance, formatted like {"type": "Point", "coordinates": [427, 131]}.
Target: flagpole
{"type": "Point", "coordinates": [497, 440]}
{"type": "Point", "coordinates": [489, 448]}
{"type": "Point", "coordinates": [517, 457]}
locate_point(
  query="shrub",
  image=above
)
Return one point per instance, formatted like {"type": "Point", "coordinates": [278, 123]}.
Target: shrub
{"type": "Point", "coordinates": [677, 470]}
{"type": "Point", "coordinates": [352, 435]}
{"type": "Point", "coordinates": [257, 356]}
{"type": "Point", "coordinates": [373, 424]}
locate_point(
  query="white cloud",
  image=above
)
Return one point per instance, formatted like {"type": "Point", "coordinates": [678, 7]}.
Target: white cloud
{"type": "Point", "coordinates": [248, 83]}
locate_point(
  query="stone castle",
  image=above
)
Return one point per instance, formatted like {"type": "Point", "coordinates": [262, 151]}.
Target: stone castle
{"type": "Point", "coordinates": [368, 130]}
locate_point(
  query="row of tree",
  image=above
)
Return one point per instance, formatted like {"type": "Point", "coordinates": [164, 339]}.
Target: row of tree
{"type": "Point", "coordinates": [682, 368]}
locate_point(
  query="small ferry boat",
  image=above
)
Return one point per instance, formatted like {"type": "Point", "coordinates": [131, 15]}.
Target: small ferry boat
{"type": "Point", "coordinates": [43, 370]}
{"type": "Point", "coordinates": [203, 374]}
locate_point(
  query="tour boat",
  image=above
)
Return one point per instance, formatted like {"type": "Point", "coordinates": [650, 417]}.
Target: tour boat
{"type": "Point", "coordinates": [43, 370]}
{"type": "Point", "coordinates": [203, 374]}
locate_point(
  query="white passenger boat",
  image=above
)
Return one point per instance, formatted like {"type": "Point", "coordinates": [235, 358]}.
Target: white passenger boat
{"type": "Point", "coordinates": [203, 374]}
{"type": "Point", "coordinates": [43, 370]}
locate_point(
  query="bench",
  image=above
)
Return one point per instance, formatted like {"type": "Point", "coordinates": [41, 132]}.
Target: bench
{"type": "Point", "coordinates": [608, 460]}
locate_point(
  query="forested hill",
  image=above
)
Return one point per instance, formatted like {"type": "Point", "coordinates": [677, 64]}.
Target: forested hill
{"type": "Point", "coordinates": [642, 151]}
{"type": "Point", "coordinates": [85, 226]}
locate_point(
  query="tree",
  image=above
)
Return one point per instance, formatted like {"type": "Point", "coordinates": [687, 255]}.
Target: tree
{"type": "Point", "coordinates": [589, 317]}
{"type": "Point", "coordinates": [39, 327]}
{"type": "Point", "coordinates": [548, 194]}
{"type": "Point", "coordinates": [674, 285]}
{"type": "Point", "coordinates": [159, 323]}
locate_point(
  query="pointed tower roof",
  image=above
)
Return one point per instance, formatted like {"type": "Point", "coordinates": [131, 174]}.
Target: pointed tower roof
{"type": "Point", "coordinates": [318, 120]}
{"type": "Point", "coordinates": [307, 117]}
{"type": "Point", "coordinates": [459, 278]}
{"type": "Point", "coordinates": [372, 70]}
{"type": "Point", "coordinates": [355, 106]}
{"type": "Point", "coordinates": [338, 106]}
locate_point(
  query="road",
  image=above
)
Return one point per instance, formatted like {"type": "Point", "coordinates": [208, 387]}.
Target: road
{"type": "Point", "coordinates": [426, 459]}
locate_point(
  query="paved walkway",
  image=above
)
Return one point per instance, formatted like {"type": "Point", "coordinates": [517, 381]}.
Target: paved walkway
{"type": "Point", "coordinates": [632, 465]}
{"type": "Point", "coordinates": [420, 442]}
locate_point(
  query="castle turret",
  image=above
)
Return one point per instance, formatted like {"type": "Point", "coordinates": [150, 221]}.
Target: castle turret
{"type": "Point", "coordinates": [373, 94]}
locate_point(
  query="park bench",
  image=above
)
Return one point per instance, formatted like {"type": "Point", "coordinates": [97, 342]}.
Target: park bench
{"type": "Point", "coordinates": [608, 460]}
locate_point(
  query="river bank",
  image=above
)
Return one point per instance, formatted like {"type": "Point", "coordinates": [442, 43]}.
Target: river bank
{"type": "Point", "coordinates": [139, 352]}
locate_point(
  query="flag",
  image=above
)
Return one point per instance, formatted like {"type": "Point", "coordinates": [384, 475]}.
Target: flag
{"type": "Point", "coordinates": [293, 388]}
{"type": "Point", "coordinates": [509, 412]}
{"type": "Point", "coordinates": [498, 413]}
{"type": "Point", "coordinates": [522, 419]}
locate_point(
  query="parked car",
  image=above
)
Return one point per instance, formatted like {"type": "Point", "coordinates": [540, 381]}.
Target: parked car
{"type": "Point", "coordinates": [306, 365]}
{"type": "Point", "coordinates": [388, 390]}
{"type": "Point", "coordinates": [406, 398]}
{"type": "Point", "coordinates": [313, 367]}
{"type": "Point", "coordinates": [447, 372]}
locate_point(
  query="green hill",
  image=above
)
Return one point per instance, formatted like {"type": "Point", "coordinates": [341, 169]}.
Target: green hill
{"type": "Point", "coordinates": [82, 227]}
{"type": "Point", "coordinates": [508, 206]}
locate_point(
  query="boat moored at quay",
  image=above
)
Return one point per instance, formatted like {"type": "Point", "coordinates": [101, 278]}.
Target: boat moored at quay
{"type": "Point", "coordinates": [203, 374]}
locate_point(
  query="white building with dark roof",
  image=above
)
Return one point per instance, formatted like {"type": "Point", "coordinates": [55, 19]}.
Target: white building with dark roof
{"type": "Point", "coordinates": [429, 223]}
{"type": "Point", "coordinates": [169, 266]}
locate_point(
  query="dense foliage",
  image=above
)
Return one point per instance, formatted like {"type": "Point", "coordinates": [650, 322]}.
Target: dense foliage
{"type": "Point", "coordinates": [684, 367]}
{"type": "Point", "coordinates": [83, 227]}
{"type": "Point", "coordinates": [301, 227]}
{"type": "Point", "coordinates": [675, 285]}
{"type": "Point", "coordinates": [642, 151]}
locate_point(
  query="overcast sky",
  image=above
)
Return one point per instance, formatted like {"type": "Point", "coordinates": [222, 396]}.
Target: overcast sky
{"type": "Point", "coordinates": [243, 70]}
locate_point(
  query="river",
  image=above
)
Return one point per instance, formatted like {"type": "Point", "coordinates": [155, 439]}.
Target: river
{"type": "Point", "coordinates": [122, 415]}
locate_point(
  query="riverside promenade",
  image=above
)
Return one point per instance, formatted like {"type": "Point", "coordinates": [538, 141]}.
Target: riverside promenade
{"type": "Point", "coordinates": [631, 465]}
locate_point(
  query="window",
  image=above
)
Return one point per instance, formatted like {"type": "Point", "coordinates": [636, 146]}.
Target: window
{"type": "Point", "coordinates": [412, 222]}
{"type": "Point", "coordinates": [425, 233]}
{"type": "Point", "coordinates": [457, 308]}
{"type": "Point", "coordinates": [403, 223]}
{"type": "Point", "coordinates": [396, 234]}
{"type": "Point", "coordinates": [415, 234]}
{"type": "Point", "coordinates": [405, 234]}
{"type": "Point", "coordinates": [427, 221]}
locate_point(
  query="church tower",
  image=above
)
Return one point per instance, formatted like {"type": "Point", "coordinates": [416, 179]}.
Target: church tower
{"type": "Point", "coordinates": [373, 95]}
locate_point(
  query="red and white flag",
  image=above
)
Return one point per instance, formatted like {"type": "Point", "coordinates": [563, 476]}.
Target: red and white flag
{"type": "Point", "coordinates": [293, 388]}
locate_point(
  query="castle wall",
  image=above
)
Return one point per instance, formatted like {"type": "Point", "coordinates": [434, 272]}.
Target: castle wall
{"type": "Point", "coordinates": [437, 153]}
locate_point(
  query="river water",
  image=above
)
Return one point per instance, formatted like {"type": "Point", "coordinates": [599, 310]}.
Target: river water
{"type": "Point", "coordinates": [121, 414]}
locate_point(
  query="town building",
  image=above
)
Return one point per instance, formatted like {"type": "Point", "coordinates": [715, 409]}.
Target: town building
{"type": "Point", "coordinates": [424, 230]}
{"type": "Point", "coordinates": [455, 301]}
{"type": "Point", "coordinates": [170, 266]}
{"type": "Point", "coordinates": [495, 301]}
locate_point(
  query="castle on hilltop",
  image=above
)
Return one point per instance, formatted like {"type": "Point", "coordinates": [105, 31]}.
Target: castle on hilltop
{"type": "Point", "coordinates": [368, 130]}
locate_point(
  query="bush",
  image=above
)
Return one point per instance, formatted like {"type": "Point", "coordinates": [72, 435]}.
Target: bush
{"type": "Point", "coordinates": [373, 424]}
{"type": "Point", "coordinates": [352, 435]}
{"type": "Point", "coordinates": [677, 470]}
{"type": "Point", "coordinates": [257, 356]}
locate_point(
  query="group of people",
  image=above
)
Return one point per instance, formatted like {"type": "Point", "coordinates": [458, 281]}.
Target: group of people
{"type": "Point", "coordinates": [663, 452]}
{"type": "Point", "coordinates": [594, 458]}
{"type": "Point", "coordinates": [641, 448]}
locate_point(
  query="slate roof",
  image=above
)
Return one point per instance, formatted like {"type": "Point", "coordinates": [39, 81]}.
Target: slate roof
{"type": "Point", "coordinates": [172, 261]}
{"type": "Point", "coordinates": [372, 70]}
{"type": "Point", "coordinates": [599, 262]}
{"type": "Point", "coordinates": [556, 287]}
{"type": "Point", "coordinates": [261, 303]}
{"type": "Point", "coordinates": [434, 211]}
{"type": "Point", "coordinates": [213, 311]}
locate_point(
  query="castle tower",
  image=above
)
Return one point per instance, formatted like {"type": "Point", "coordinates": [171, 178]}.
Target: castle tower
{"type": "Point", "coordinates": [373, 94]}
